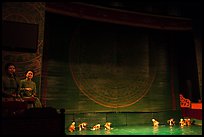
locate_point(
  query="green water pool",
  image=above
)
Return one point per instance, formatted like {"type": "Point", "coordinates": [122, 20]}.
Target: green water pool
{"type": "Point", "coordinates": [142, 130]}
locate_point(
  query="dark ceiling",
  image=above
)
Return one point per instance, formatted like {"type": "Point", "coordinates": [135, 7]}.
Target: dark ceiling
{"type": "Point", "coordinates": [181, 8]}
{"type": "Point", "coordinates": [191, 9]}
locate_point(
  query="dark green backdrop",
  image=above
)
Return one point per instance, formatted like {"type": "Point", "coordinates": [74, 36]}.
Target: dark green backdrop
{"type": "Point", "coordinates": [100, 67]}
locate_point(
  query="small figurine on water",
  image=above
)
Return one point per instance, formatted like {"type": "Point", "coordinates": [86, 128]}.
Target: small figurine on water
{"type": "Point", "coordinates": [72, 127]}
{"type": "Point", "coordinates": [155, 122]}
{"type": "Point", "coordinates": [171, 122]}
{"type": "Point", "coordinates": [82, 126]}
{"type": "Point", "coordinates": [182, 122]}
{"type": "Point", "coordinates": [96, 127]}
{"type": "Point", "coordinates": [108, 126]}
{"type": "Point", "coordinates": [188, 121]}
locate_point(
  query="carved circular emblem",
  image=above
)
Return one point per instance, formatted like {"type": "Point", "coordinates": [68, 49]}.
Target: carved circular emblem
{"type": "Point", "coordinates": [112, 76]}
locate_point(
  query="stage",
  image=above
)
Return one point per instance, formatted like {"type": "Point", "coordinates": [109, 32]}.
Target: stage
{"type": "Point", "coordinates": [142, 130]}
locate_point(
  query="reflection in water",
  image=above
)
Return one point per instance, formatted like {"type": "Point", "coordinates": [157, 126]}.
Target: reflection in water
{"type": "Point", "coordinates": [82, 132]}
{"type": "Point", "coordinates": [171, 130]}
{"type": "Point", "coordinates": [97, 132]}
{"type": "Point", "coordinates": [189, 130]}
{"type": "Point", "coordinates": [155, 130]}
{"type": "Point", "coordinates": [107, 132]}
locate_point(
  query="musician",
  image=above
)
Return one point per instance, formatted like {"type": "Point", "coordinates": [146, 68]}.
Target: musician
{"type": "Point", "coordinates": [10, 83]}
{"type": "Point", "coordinates": [12, 104]}
{"type": "Point", "coordinates": [28, 88]}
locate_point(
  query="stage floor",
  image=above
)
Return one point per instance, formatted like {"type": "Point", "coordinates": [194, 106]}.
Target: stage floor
{"type": "Point", "coordinates": [142, 130]}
